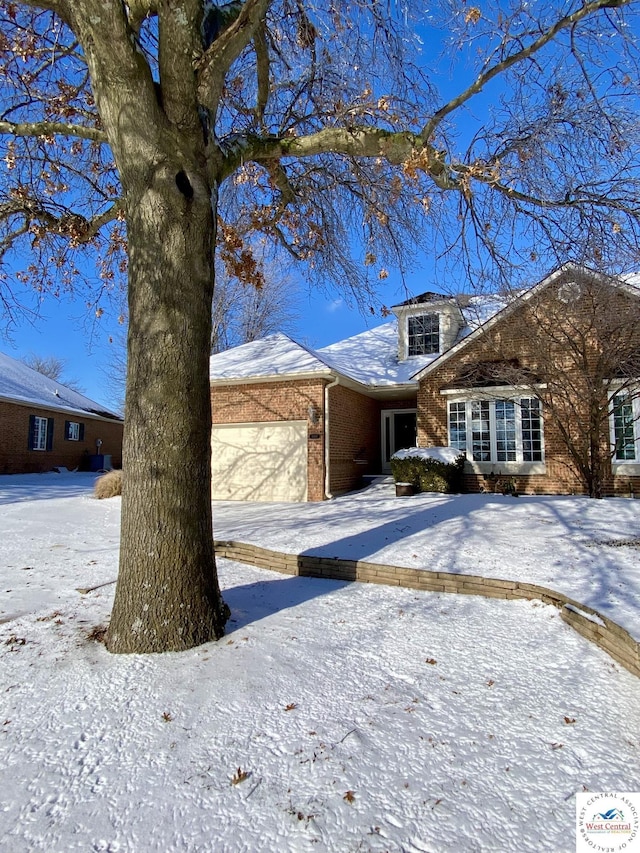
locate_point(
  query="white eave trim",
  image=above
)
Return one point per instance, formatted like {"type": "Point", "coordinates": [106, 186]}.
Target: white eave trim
{"type": "Point", "coordinates": [330, 375]}
{"type": "Point", "coordinates": [621, 384]}
{"type": "Point", "coordinates": [491, 391]}
{"type": "Point", "coordinates": [325, 375]}
{"type": "Point", "coordinates": [392, 386]}
{"type": "Point", "coordinates": [271, 377]}
{"type": "Point", "coordinates": [69, 410]}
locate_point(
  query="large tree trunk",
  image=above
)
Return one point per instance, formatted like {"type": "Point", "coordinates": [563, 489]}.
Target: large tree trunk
{"type": "Point", "coordinates": [167, 596]}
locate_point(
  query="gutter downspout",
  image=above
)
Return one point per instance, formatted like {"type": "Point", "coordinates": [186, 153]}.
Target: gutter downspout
{"type": "Point", "coordinates": [327, 494]}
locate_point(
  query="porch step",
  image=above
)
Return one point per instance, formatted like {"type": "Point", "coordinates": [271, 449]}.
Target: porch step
{"type": "Point", "coordinates": [377, 479]}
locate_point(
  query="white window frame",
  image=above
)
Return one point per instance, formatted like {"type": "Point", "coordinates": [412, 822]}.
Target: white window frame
{"type": "Point", "coordinates": [73, 431]}
{"type": "Point", "coordinates": [517, 466]}
{"type": "Point", "coordinates": [40, 426]}
{"type": "Point", "coordinates": [625, 466]}
{"type": "Point", "coordinates": [434, 316]}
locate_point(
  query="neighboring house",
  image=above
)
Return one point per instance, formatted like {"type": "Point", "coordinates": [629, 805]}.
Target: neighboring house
{"type": "Point", "coordinates": [496, 377]}
{"type": "Point", "coordinates": [45, 425]}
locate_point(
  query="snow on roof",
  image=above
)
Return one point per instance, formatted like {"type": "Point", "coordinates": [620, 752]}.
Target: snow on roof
{"type": "Point", "coordinates": [22, 384]}
{"type": "Point", "coordinates": [275, 355]}
{"type": "Point", "coordinates": [476, 310]}
{"type": "Point", "coordinates": [371, 357]}
{"type": "Point", "coordinates": [632, 279]}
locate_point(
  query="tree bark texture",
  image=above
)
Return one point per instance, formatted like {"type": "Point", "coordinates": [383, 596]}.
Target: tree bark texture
{"type": "Point", "coordinates": [167, 596]}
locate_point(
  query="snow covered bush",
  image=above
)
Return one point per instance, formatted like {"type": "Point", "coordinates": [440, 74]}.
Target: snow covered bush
{"type": "Point", "coordinates": [109, 485]}
{"type": "Point", "coordinates": [429, 469]}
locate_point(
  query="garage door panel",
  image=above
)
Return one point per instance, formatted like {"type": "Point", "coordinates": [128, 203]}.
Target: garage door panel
{"type": "Point", "coordinates": [260, 462]}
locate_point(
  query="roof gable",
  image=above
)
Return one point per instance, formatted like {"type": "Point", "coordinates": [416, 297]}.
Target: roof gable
{"type": "Point", "coordinates": [275, 356]}
{"type": "Point", "coordinates": [519, 299]}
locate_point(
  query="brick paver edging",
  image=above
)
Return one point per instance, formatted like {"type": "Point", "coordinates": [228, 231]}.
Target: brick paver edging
{"type": "Point", "coordinates": [606, 634]}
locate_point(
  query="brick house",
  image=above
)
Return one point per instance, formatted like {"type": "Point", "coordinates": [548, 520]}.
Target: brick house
{"type": "Point", "coordinates": [500, 378]}
{"type": "Point", "coordinates": [45, 425]}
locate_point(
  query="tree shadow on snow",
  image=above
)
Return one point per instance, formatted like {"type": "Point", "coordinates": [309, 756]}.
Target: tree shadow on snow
{"type": "Point", "coordinates": [254, 601]}
{"type": "Point", "coordinates": [389, 531]}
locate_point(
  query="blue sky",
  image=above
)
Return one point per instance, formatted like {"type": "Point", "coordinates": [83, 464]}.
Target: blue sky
{"type": "Point", "coordinates": [67, 330]}
{"type": "Point", "coordinates": [64, 329]}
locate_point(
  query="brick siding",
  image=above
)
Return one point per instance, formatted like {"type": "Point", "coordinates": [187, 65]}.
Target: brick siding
{"type": "Point", "coordinates": [509, 339]}
{"type": "Point", "coordinates": [354, 438]}
{"type": "Point", "coordinates": [354, 428]}
{"type": "Point", "coordinates": [17, 458]}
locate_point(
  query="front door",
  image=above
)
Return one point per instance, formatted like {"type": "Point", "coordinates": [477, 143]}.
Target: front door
{"type": "Point", "coordinates": [398, 432]}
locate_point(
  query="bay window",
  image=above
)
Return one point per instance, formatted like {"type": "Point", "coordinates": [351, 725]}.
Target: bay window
{"type": "Point", "coordinates": [495, 431]}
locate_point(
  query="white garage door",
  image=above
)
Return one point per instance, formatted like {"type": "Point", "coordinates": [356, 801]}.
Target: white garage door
{"type": "Point", "coordinates": [259, 462]}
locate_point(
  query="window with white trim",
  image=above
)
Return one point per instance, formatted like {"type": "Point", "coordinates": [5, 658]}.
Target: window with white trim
{"type": "Point", "coordinates": [625, 417]}
{"type": "Point", "coordinates": [423, 334]}
{"type": "Point", "coordinates": [39, 433]}
{"type": "Point", "coordinates": [497, 430]}
{"type": "Point", "coordinates": [73, 431]}
{"type": "Point", "coordinates": [531, 426]}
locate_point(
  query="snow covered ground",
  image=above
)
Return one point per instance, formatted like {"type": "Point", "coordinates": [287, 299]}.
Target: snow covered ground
{"type": "Point", "coordinates": [587, 549]}
{"type": "Point", "coordinates": [333, 716]}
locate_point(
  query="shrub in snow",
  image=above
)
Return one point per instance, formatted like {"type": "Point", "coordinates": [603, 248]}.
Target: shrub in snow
{"type": "Point", "coordinates": [109, 485]}
{"type": "Point", "coordinates": [429, 469]}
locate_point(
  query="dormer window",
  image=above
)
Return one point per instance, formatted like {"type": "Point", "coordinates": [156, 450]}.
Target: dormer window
{"type": "Point", "coordinates": [428, 325]}
{"type": "Point", "coordinates": [423, 336]}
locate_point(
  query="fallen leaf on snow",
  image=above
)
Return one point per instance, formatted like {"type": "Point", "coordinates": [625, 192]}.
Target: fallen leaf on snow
{"type": "Point", "coordinates": [239, 776]}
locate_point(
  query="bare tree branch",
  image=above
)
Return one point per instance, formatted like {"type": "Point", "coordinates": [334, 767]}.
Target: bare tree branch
{"type": "Point", "coordinates": [139, 10]}
{"type": "Point", "coordinates": [74, 226]}
{"type": "Point", "coordinates": [519, 56]}
{"type": "Point", "coordinates": [52, 128]}
{"type": "Point", "coordinates": [217, 60]}
{"type": "Point", "coordinates": [262, 71]}
{"type": "Point", "coordinates": [57, 6]}
{"type": "Point", "coordinates": [488, 176]}
{"type": "Point", "coordinates": [355, 142]}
